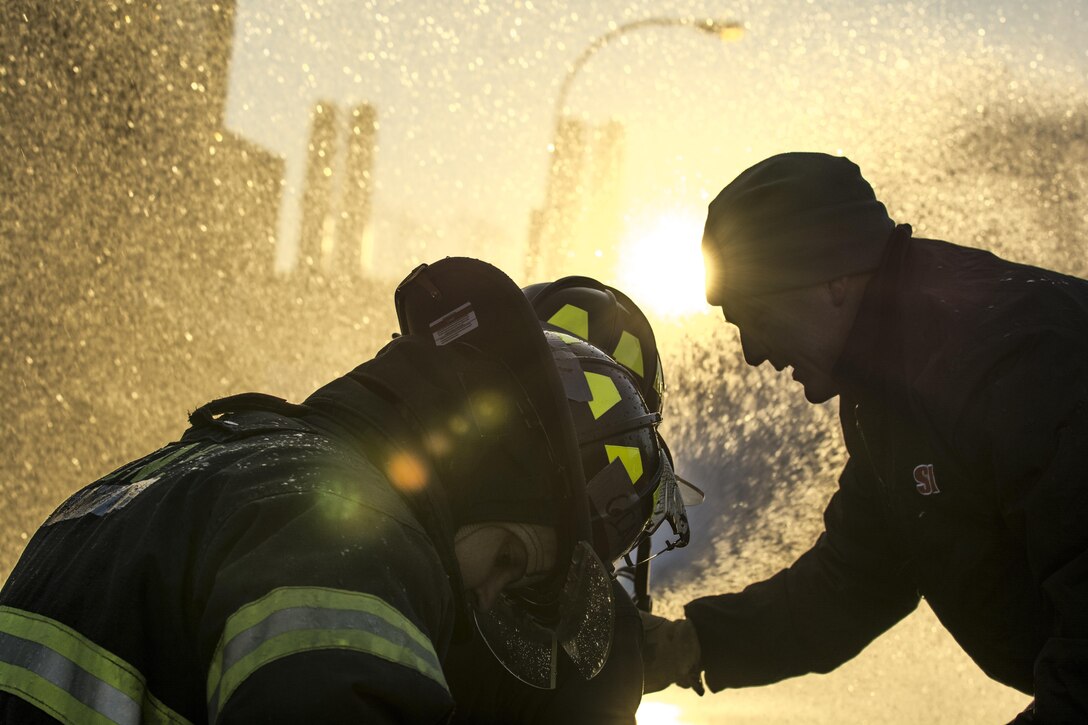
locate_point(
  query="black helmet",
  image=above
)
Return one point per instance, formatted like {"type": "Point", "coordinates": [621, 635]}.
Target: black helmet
{"type": "Point", "coordinates": [629, 478]}
{"type": "Point", "coordinates": [608, 319]}
{"type": "Point", "coordinates": [470, 318]}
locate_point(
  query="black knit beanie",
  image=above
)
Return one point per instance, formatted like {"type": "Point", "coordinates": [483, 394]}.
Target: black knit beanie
{"type": "Point", "coordinates": [790, 221]}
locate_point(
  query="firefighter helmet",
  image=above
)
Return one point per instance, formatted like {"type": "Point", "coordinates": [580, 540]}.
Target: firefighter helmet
{"type": "Point", "coordinates": [608, 319]}
{"type": "Point", "coordinates": [629, 477]}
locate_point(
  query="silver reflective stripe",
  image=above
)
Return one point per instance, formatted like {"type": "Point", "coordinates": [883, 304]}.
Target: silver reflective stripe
{"type": "Point", "coordinates": [290, 620]}
{"type": "Point", "coordinates": [293, 620]}
{"type": "Point", "coordinates": [101, 501]}
{"type": "Point", "coordinates": [58, 670]}
{"type": "Point", "coordinates": [53, 667]}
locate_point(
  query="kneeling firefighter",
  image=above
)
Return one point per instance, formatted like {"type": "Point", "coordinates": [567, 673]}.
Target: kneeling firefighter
{"type": "Point", "coordinates": [313, 562]}
{"type": "Point", "coordinates": [615, 401]}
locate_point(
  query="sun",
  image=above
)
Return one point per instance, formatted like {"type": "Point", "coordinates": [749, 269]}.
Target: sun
{"type": "Point", "coordinates": [661, 264]}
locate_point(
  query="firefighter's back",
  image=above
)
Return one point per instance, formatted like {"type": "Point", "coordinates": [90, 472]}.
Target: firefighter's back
{"type": "Point", "coordinates": [119, 608]}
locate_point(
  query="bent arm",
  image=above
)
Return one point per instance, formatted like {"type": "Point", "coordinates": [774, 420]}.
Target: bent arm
{"type": "Point", "coordinates": [820, 612]}
{"type": "Point", "coordinates": [319, 609]}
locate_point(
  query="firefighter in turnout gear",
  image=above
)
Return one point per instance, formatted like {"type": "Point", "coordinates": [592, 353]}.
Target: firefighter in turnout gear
{"type": "Point", "coordinates": [615, 403]}
{"type": "Point", "coordinates": [612, 323]}
{"type": "Point", "coordinates": [314, 562]}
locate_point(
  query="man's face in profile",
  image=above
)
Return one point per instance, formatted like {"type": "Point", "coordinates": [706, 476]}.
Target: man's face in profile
{"type": "Point", "coordinates": [803, 329]}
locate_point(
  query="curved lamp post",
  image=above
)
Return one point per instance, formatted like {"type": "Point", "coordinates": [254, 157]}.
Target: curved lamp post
{"type": "Point", "coordinates": [724, 30]}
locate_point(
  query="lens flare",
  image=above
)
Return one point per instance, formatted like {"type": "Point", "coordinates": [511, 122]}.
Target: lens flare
{"type": "Point", "coordinates": [490, 410]}
{"type": "Point", "coordinates": [661, 263]}
{"type": "Point", "coordinates": [406, 472]}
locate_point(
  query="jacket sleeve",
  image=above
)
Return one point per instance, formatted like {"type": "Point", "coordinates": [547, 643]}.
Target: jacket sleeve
{"type": "Point", "coordinates": [821, 611]}
{"type": "Point", "coordinates": [1025, 421]}
{"type": "Point", "coordinates": [313, 607]}
{"type": "Point", "coordinates": [487, 694]}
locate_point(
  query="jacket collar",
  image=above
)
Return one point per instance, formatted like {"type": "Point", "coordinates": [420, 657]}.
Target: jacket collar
{"type": "Point", "coordinates": [871, 350]}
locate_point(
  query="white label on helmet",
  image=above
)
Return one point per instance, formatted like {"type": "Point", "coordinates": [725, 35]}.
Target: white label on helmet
{"type": "Point", "coordinates": [453, 325]}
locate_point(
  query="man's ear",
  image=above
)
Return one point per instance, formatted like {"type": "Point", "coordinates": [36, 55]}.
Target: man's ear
{"type": "Point", "coordinates": [838, 289]}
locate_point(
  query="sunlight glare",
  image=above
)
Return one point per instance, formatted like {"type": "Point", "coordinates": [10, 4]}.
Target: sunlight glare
{"type": "Point", "coordinates": [658, 713]}
{"type": "Point", "coordinates": [661, 264]}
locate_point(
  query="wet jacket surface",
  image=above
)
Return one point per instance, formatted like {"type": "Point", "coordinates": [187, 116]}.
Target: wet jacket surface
{"type": "Point", "coordinates": [258, 570]}
{"type": "Point", "coordinates": [964, 409]}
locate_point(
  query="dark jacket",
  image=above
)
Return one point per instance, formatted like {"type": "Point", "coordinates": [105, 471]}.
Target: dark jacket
{"type": "Point", "coordinates": [964, 408]}
{"type": "Point", "coordinates": [261, 569]}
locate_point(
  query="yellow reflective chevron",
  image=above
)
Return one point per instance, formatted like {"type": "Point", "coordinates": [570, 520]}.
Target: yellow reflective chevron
{"type": "Point", "coordinates": [629, 456]}
{"type": "Point", "coordinates": [70, 677]}
{"type": "Point", "coordinates": [628, 352]}
{"type": "Point", "coordinates": [572, 319]}
{"type": "Point", "coordinates": [604, 392]}
{"type": "Point", "coordinates": [291, 620]}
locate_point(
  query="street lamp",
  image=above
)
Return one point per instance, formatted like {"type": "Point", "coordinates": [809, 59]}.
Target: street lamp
{"type": "Point", "coordinates": [724, 30]}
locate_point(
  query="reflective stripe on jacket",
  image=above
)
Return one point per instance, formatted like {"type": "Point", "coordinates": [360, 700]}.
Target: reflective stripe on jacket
{"type": "Point", "coordinates": [70, 677]}
{"type": "Point", "coordinates": [290, 620]}
{"type": "Point", "coordinates": [262, 572]}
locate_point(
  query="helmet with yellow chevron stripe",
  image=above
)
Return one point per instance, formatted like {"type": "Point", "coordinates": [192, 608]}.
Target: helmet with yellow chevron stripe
{"type": "Point", "coordinates": [629, 480]}
{"type": "Point", "coordinates": [607, 318]}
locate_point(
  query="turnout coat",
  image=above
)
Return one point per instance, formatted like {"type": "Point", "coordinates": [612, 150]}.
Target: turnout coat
{"type": "Point", "coordinates": [257, 570]}
{"type": "Point", "coordinates": [964, 409]}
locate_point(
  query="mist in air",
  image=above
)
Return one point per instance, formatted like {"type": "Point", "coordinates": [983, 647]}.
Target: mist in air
{"type": "Point", "coordinates": [202, 199]}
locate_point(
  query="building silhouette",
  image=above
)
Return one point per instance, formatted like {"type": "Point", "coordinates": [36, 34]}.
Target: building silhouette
{"type": "Point", "coordinates": [337, 190]}
{"type": "Point", "coordinates": [578, 228]}
{"type": "Point", "coordinates": [137, 237]}
{"type": "Point", "coordinates": [115, 144]}
{"type": "Point", "coordinates": [353, 247]}
{"type": "Point", "coordinates": [318, 188]}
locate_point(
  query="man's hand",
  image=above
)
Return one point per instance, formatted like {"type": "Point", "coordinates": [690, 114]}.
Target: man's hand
{"type": "Point", "coordinates": [670, 654]}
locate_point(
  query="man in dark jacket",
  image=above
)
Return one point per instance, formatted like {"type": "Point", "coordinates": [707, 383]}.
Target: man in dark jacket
{"type": "Point", "coordinates": [963, 387]}
{"type": "Point", "coordinates": [312, 563]}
